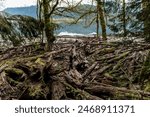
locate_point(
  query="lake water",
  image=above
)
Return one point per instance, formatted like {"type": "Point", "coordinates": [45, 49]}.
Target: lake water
{"type": "Point", "coordinates": [79, 28]}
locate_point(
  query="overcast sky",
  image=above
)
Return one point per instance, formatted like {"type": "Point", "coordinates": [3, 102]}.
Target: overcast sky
{"type": "Point", "coordinates": [16, 3]}
{"type": "Point", "coordinates": [20, 3]}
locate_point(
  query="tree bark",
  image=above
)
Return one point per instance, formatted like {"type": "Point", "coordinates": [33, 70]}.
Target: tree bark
{"type": "Point", "coordinates": [146, 16]}
{"type": "Point", "coordinates": [97, 26]}
{"type": "Point", "coordinates": [102, 19]}
{"type": "Point", "coordinates": [124, 19]}
{"type": "Point", "coordinates": [47, 25]}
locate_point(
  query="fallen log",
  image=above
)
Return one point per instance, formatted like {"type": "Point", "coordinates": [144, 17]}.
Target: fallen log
{"type": "Point", "coordinates": [118, 92]}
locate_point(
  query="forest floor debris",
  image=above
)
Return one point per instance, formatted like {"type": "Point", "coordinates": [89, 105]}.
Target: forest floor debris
{"type": "Point", "coordinates": [88, 70]}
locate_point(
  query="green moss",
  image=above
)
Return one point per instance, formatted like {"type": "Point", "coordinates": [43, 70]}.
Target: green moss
{"type": "Point", "coordinates": [147, 86]}
{"type": "Point", "coordinates": [145, 72]}
{"type": "Point", "coordinates": [36, 91]}
{"type": "Point", "coordinates": [15, 74]}
{"type": "Point", "coordinates": [40, 61]}
{"type": "Point", "coordinates": [14, 70]}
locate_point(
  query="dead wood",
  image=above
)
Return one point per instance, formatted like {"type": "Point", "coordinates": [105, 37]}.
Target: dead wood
{"type": "Point", "coordinates": [89, 70]}
{"type": "Point", "coordinates": [76, 71]}
{"type": "Point", "coordinates": [116, 91]}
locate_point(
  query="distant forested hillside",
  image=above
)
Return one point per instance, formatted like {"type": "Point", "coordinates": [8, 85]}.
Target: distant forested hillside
{"type": "Point", "coordinates": [30, 11]}
{"type": "Point", "coordinates": [111, 10]}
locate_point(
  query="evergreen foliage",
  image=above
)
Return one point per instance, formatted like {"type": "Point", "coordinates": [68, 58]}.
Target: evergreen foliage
{"type": "Point", "coordinates": [14, 28]}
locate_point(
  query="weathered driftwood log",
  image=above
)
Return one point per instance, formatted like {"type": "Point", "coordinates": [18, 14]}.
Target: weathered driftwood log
{"type": "Point", "coordinates": [88, 71]}
{"type": "Point", "coordinates": [76, 93]}
{"type": "Point", "coordinates": [117, 92]}
{"type": "Point", "coordinates": [111, 72]}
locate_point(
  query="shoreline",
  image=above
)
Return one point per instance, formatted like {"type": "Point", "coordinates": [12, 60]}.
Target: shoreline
{"type": "Point", "coordinates": [73, 39]}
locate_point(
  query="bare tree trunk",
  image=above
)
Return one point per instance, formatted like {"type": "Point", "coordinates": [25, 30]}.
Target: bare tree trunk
{"type": "Point", "coordinates": [102, 19]}
{"type": "Point", "coordinates": [97, 26]}
{"type": "Point", "coordinates": [124, 19]}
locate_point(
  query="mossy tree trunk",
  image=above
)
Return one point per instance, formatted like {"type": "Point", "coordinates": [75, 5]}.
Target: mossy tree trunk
{"type": "Point", "coordinates": [102, 18]}
{"type": "Point", "coordinates": [49, 30]}
{"type": "Point", "coordinates": [146, 17]}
